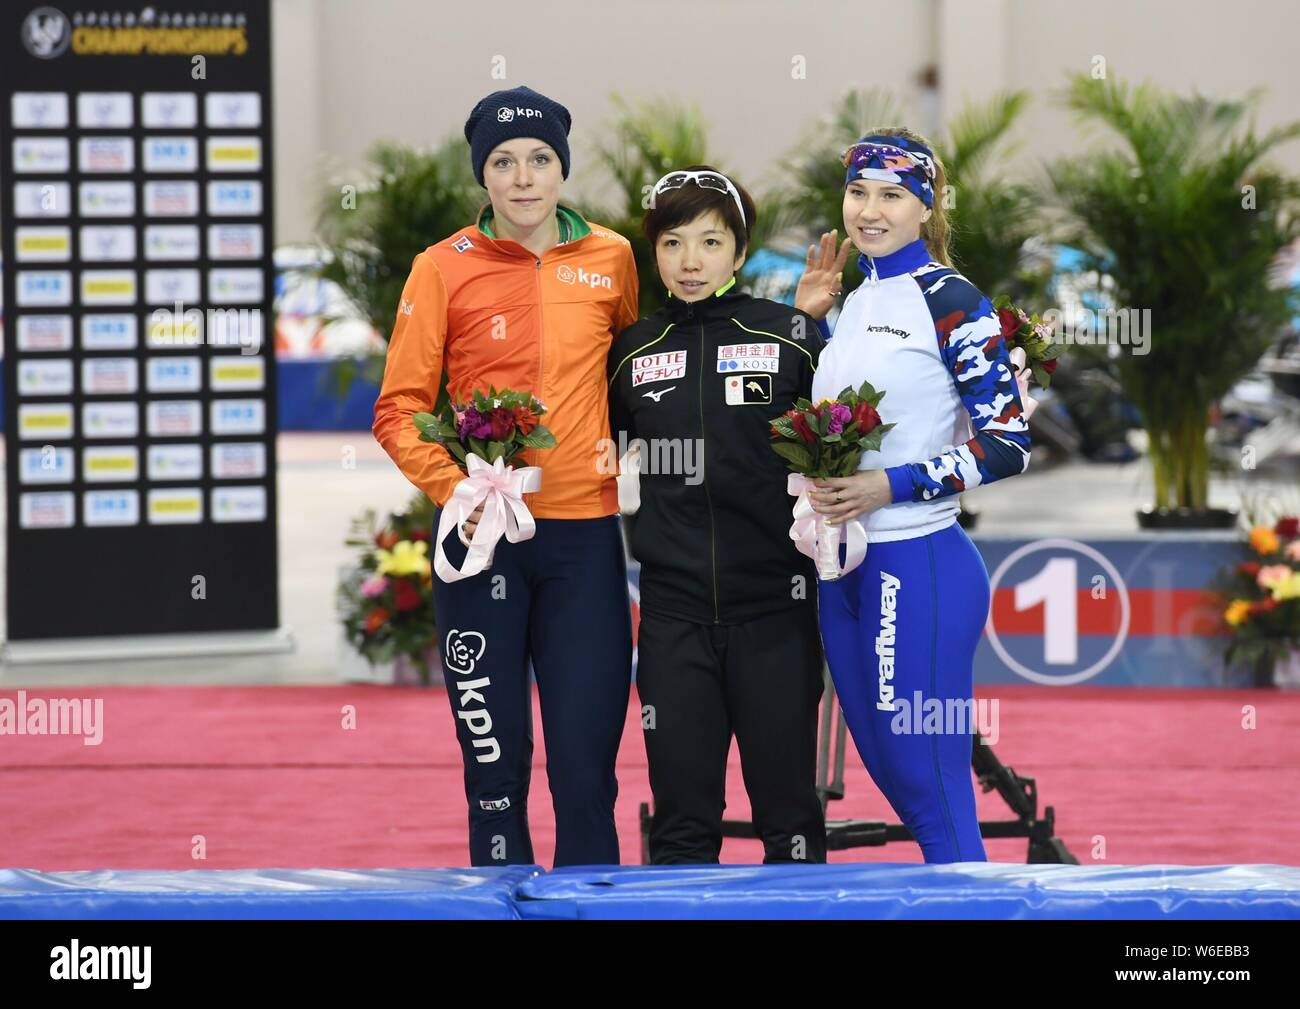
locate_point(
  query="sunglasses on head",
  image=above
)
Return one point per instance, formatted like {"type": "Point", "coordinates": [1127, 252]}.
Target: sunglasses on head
{"type": "Point", "coordinates": [705, 180]}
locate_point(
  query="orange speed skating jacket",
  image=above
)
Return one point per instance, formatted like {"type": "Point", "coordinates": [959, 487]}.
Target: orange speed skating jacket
{"type": "Point", "coordinates": [487, 312]}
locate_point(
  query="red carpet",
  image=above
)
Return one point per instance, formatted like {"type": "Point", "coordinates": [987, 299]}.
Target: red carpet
{"type": "Point", "coordinates": [267, 776]}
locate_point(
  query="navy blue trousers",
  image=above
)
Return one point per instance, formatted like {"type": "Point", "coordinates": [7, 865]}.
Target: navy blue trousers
{"type": "Point", "coordinates": [559, 601]}
{"type": "Point", "coordinates": [900, 633]}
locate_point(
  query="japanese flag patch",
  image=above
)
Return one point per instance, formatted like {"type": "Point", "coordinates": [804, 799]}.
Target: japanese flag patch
{"type": "Point", "coordinates": [741, 390]}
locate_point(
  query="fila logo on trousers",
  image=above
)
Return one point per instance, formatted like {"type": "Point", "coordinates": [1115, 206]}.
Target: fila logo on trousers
{"type": "Point", "coordinates": [461, 653]}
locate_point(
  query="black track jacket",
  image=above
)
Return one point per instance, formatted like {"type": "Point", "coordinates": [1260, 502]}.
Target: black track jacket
{"type": "Point", "coordinates": [699, 383]}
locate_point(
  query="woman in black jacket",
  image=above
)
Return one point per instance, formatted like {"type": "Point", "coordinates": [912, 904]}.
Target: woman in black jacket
{"type": "Point", "coordinates": [728, 641]}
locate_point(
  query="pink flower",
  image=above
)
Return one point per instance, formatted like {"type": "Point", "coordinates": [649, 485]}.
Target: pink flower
{"type": "Point", "coordinates": [841, 415]}
{"type": "Point", "coordinates": [373, 587]}
{"type": "Point", "coordinates": [1292, 551]}
{"type": "Point", "coordinates": [1271, 573]}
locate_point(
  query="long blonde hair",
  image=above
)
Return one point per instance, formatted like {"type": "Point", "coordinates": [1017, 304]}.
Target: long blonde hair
{"type": "Point", "coordinates": [937, 231]}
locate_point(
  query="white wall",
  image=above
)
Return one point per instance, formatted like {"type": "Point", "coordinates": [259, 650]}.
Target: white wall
{"type": "Point", "coordinates": [348, 73]}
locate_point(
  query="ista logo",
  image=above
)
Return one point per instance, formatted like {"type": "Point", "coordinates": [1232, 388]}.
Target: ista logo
{"type": "Point", "coordinates": [45, 33]}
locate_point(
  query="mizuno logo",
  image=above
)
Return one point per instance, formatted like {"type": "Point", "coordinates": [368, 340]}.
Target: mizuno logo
{"type": "Point", "coordinates": [656, 394]}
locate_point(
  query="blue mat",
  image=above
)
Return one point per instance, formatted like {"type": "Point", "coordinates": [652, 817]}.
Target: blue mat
{"type": "Point", "coordinates": [972, 890]}
{"type": "Point", "coordinates": [263, 893]}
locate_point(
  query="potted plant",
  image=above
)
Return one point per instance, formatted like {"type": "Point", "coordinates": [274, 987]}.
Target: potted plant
{"type": "Point", "coordinates": [386, 599]}
{"type": "Point", "coordinates": [373, 227]}
{"type": "Point", "coordinates": [1186, 219]}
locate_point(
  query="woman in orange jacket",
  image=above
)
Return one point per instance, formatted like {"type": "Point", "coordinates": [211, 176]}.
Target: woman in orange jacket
{"type": "Point", "coordinates": [528, 298]}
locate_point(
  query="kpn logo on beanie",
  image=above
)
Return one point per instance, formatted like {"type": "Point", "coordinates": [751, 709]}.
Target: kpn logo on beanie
{"type": "Point", "coordinates": [507, 115]}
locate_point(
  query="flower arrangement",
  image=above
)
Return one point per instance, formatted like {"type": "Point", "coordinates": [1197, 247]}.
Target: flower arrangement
{"type": "Point", "coordinates": [386, 600]}
{"type": "Point", "coordinates": [1030, 335]}
{"type": "Point", "coordinates": [492, 425]}
{"type": "Point", "coordinates": [484, 436]}
{"type": "Point", "coordinates": [1263, 612]}
{"type": "Point", "coordinates": [823, 440]}
{"type": "Point", "coordinates": [828, 438]}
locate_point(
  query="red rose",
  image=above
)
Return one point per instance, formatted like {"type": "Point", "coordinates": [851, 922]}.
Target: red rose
{"type": "Point", "coordinates": [385, 539]}
{"type": "Point", "coordinates": [525, 419]}
{"type": "Point", "coordinates": [1287, 527]}
{"type": "Point", "coordinates": [866, 417]}
{"type": "Point", "coordinates": [406, 596]}
{"type": "Point", "coordinates": [1049, 366]}
{"type": "Point", "coordinates": [419, 534]}
{"type": "Point", "coordinates": [1265, 605]}
{"type": "Point", "coordinates": [378, 617]}
{"type": "Point", "coordinates": [1248, 568]}
{"type": "Point", "coordinates": [801, 427]}
{"type": "Point", "coordinates": [503, 422]}
{"type": "Point", "coordinates": [1009, 321]}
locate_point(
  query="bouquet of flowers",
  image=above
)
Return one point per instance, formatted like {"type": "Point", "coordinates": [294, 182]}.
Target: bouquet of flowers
{"type": "Point", "coordinates": [484, 435]}
{"type": "Point", "coordinates": [1264, 608]}
{"type": "Point", "coordinates": [822, 440]}
{"type": "Point", "coordinates": [1033, 351]}
{"type": "Point", "coordinates": [386, 600]}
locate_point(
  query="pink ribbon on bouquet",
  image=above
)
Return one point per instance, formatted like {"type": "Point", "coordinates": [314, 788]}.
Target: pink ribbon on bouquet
{"type": "Point", "coordinates": [816, 539]}
{"type": "Point", "coordinates": [1018, 359]}
{"type": "Point", "coordinates": [500, 489]}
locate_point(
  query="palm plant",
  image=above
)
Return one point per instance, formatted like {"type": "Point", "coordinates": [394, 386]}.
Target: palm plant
{"type": "Point", "coordinates": [411, 199]}
{"type": "Point", "coordinates": [992, 216]}
{"type": "Point", "coordinates": [647, 140]}
{"type": "Point", "coordinates": [1168, 214]}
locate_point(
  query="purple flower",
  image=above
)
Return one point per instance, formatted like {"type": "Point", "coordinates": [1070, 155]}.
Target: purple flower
{"type": "Point", "coordinates": [474, 425]}
{"type": "Point", "coordinates": [841, 415]}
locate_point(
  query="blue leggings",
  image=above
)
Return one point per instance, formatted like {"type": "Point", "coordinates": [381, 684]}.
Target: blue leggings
{"type": "Point", "coordinates": [558, 602]}
{"type": "Point", "coordinates": [899, 629]}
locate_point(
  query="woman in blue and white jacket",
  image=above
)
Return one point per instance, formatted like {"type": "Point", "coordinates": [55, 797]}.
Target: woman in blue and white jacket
{"type": "Point", "coordinates": [900, 630]}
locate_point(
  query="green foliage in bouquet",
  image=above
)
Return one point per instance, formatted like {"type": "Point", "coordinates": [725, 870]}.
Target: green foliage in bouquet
{"type": "Point", "coordinates": [493, 425]}
{"type": "Point", "coordinates": [827, 439]}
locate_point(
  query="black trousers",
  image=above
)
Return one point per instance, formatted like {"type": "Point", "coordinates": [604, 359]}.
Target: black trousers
{"type": "Point", "coordinates": [699, 684]}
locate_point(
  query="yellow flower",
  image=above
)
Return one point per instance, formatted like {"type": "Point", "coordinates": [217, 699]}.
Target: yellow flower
{"type": "Point", "coordinates": [406, 558]}
{"type": "Point", "coordinates": [1264, 540]}
{"type": "Point", "coordinates": [1287, 588]}
{"type": "Point", "coordinates": [1237, 612]}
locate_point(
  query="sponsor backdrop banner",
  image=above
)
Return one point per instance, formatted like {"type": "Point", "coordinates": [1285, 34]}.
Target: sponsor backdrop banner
{"type": "Point", "coordinates": [1130, 611]}
{"type": "Point", "coordinates": [139, 407]}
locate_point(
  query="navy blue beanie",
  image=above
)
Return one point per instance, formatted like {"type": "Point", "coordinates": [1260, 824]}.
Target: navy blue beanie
{"type": "Point", "coordinates": [508, 115]}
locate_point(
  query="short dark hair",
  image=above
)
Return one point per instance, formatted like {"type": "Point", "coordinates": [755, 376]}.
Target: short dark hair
{"type": "Point", "coordinates": [675, 207]}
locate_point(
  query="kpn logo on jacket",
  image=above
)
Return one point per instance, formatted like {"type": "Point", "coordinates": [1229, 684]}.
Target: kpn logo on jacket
{"type": "Point", "coordinates": [568, 275]}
